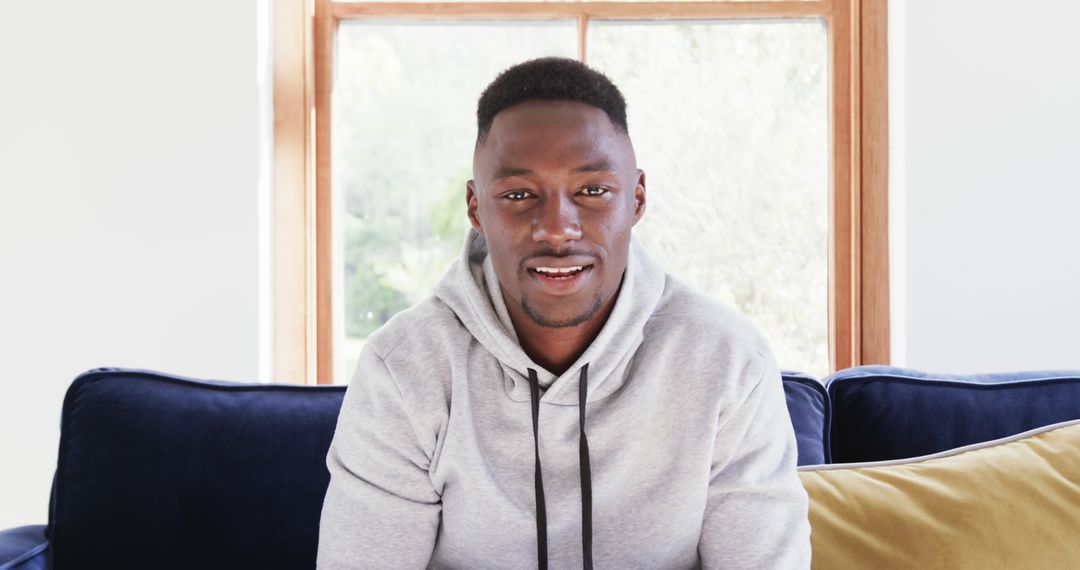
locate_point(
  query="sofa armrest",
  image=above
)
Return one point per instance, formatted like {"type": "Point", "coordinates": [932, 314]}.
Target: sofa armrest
{"type": "Point", "coordinates": [25, 548]}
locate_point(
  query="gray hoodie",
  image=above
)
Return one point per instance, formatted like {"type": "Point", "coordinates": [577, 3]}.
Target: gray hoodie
{"type": "Point", "coordinates": [682, 456]}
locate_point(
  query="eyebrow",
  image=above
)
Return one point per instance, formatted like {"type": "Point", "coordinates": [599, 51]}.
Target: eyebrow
{"type": "Point", "coordinates": [599, 165]}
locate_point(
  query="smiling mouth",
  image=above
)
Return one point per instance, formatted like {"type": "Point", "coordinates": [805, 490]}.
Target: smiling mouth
{"type": "Point", "coordinates": [559, 273]}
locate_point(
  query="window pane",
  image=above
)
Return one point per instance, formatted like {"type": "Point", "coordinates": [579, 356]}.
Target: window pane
{"type": "Point", "coordinates": [404, 125]}
{"type": "Point", "coordinates": [730, 124]}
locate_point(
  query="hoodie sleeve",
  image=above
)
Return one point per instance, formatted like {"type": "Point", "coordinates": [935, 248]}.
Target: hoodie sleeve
{"type": "Point", "coordinates": [380, 510]}
{"type": "Point", "coordinates": [756, 514]}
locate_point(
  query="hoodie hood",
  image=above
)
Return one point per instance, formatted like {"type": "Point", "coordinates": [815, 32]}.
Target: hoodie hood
{"type": "Point", "coordinates": [471, 290]}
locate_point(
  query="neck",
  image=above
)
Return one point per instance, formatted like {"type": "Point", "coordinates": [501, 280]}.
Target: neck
{"type": "Point", "coordinates": [557, 348]}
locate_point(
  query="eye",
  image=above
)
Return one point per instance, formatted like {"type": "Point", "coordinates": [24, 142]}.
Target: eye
{"type": "Point", "coordinates": [516, 195]}
{"type": "Point", "coordinates": [594, 190]}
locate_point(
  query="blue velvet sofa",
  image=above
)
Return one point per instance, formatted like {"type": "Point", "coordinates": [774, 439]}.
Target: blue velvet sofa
{"type": "Point", "coordinates": [161, 471]}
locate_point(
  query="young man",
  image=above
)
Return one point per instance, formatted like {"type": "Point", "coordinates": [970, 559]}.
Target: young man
{"type": "Point", "coordinates": [560, 401]}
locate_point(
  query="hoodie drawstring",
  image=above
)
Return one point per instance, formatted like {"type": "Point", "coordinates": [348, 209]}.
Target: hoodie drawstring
{"type": "Point", "coordinates": [586, 473]}
{"type": "Point", "coordinates": [538, 477]}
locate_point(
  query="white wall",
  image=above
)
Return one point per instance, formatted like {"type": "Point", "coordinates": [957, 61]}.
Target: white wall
{"type": "Point", "coordinates": [129, 176]}
{"type": "Point", "coordinates": [986, 119]}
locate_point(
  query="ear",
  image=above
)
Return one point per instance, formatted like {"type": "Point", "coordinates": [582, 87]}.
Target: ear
{"type": "Point", "coordinates": [471, 204]}
{"type": "Point", "coordinates": [639, 196]}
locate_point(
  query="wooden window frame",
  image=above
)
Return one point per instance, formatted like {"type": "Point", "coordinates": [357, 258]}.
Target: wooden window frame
{"type": "Point", "coordinates": [304, 34]}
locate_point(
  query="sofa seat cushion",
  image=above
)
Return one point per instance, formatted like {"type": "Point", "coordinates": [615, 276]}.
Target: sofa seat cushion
{"type": "Point", "coordinates": [882, 413]}
{"type": "Point", "coordinates": [1010, 503]}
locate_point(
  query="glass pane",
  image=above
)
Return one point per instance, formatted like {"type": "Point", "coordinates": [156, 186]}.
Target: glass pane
{"type": "Point", "coordinates": [730, 124]}
{"type": "Point", "coordinates": [404, 125]}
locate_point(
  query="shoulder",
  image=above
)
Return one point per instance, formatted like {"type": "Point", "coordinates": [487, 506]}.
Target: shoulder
{"type": "Point", "coordinates": [417, 346]}
{"type": "Point", "coordinates": [702, 319]}
{"type": "Point", "coordinates": [708, 341]}
{"type": "Point", "coordinates": [428, 325]}
{"type": "Point", "coordinates": [392, 379]}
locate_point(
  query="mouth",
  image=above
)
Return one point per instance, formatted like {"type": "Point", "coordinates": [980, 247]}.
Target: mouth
{"type": "Point", "coordinates": [560, 280]}
{"type": "Point", "coordinates": [559, 272]}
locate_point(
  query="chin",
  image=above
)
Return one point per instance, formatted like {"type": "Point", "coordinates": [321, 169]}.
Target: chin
{"type": "Point", "coordinates": [558, 316]}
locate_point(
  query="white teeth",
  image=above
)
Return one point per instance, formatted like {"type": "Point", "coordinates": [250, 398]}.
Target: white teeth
{"type": "Point", "coordinates": [559, 270]}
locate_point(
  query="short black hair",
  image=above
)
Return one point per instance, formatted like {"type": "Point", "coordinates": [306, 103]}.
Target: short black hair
{"type": "Point", "coordinates": [556, 78]}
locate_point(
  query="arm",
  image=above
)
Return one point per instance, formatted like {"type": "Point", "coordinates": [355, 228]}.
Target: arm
{"type": "Point", "coordinates": [380, 510]}
{"type": "Point", "coordinates": [756, 515]}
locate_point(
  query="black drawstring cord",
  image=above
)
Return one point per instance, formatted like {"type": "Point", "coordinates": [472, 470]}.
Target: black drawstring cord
{"type": "Point", "coordinates": [538, 477]}
{"type": "Point", "coordinates": [586, 473]}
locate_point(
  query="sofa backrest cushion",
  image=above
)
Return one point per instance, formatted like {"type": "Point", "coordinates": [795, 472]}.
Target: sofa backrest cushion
{"type": "Point", "coordinates": [1010, 503]}
{"type": "Point", "coordinates": [808, 406]}
{"type": "Point", "coordinates": [160, 471]}
{"type": "Point", "coordinates": [882, 413]}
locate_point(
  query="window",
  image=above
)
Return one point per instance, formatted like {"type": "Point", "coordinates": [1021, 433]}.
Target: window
{"type": "Point", "coordinates": [760, 126]}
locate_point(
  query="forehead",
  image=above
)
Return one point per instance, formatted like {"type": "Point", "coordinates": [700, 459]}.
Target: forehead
{"type": "Point", "coordinates": [557, 135]}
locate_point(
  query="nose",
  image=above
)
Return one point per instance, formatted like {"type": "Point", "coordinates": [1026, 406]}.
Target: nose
{"type": "Point", "coordinates": [557, 221]}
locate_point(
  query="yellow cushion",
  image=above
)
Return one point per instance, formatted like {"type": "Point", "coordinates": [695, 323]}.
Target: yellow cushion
{"type": "Point", "coordinates": [1010, 503]}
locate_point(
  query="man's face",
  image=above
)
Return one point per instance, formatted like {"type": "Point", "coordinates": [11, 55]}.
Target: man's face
{"type": "Point", "coordinates": [555, 193]}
